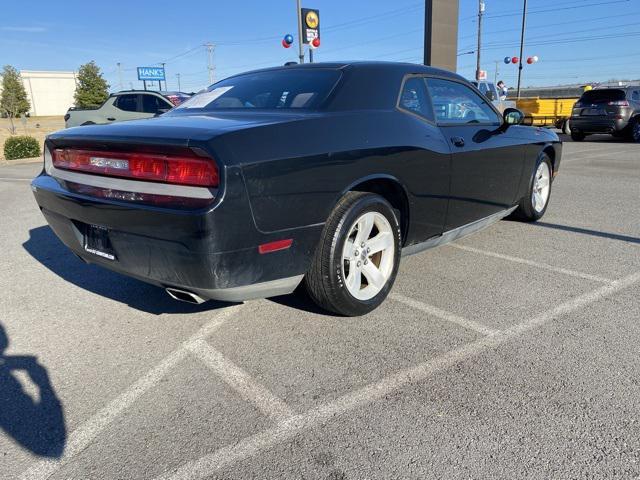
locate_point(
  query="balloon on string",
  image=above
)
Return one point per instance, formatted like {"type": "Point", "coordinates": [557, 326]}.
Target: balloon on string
{"type": "Point", "coordinates": [515, 60]}
{"type": "Point", "coordinates": [507, 60]}
{"type": "Point", "coordinates": [530, 60]}
{"type": "Point", "coordinates": [285, 44]}
{"type": "Point", "coordinates": [535, 59]}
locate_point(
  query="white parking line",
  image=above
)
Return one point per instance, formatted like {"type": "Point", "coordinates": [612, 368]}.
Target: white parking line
{"type": "Point", "coordinates": [286, 430]}
{"type": "Point", "coordinates": [9, 179]}
{"type": "Point", "coordinates": [442, 314]}
{"type": "Point", "coordinates": [82, 436]}
{"type": "Point", "coordinates": [241, 382]}
{"type": "Point", "coordinates": [531, 263]}
{"type": "Point", "coordinates": [589, 156]}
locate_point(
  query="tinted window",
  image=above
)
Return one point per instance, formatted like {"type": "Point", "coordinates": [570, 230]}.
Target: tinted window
{"type": "Point", "coordinates": [602, 96]}
{"type": "Point", "coordinates": [151, 104]}
{"type": "Point", "coordinates": [635, 96]}
{"type": "Point", "coordinates": [278, 89]}
{"type": "Point", "coordinates": [128, 103]}
{"type": "Point", "coordinates": [414, 97]}
{"type": "Point", "coordinates": [456, 103]}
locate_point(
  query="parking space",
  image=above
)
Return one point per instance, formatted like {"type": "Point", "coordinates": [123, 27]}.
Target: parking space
{"type": "Point", "coordinates": [511, 353]}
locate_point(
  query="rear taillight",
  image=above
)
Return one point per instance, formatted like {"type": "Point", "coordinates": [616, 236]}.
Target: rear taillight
{"type": "Point", "coordinates": [578, 105]}
{"type": "Point", "coordinates": [175, 99]}
{"type": "Point", "coordinates": [619, 103]}
{"type": "Point", "coordinates": [174, 169]}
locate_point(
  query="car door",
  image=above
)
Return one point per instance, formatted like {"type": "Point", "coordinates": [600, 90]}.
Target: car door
{"type": "Point", "coordinates": [126, 107]}
{"type": "Point", "coordinates": [486, 163]}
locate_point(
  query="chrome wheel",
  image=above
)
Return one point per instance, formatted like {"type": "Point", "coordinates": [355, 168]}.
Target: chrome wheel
{"type": "Point", "coordinates": [368, 255]}
{"type": "Point", "coordinates": [541, 187]}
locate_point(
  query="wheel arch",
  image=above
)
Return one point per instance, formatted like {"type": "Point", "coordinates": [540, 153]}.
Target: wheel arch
{"type": "Point", "coordinates": [392, 190]}
{"type": "Point", "coordinates": [550, 151]}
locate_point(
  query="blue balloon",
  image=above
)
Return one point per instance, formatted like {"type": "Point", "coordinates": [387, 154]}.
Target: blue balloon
{"type": "Point", "coordinates": [507, 59]}
{"type": "Point", "coordinates": [288, 38]}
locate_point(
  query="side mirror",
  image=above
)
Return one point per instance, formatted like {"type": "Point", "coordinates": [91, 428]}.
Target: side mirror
{"type": "Point", "coordinates": [161, 111]}
{"type": "Point", "coordinates": [512, 116]}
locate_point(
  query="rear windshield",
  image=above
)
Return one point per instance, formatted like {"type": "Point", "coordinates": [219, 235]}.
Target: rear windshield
{"type": "Point", "coordinates": [599, 96]}
{"type": "Point", "coordinates": [278, 89]}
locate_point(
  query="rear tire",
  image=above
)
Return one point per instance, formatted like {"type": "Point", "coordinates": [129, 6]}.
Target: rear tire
{"type": "Point", "coordinates": [357, 259]}
{"type": "Point", "coordinates": [533, 206]}
{"type": "Point", "coordinates": [577, 136]}
{"type": "Point", "coordinates": [635, 130]}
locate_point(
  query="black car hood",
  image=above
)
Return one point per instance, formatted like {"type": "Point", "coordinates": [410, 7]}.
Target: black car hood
{"type": "Point", "coordinates": [174, 128]}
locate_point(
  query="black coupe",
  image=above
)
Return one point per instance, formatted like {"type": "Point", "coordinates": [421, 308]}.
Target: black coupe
{"type": "Point", "coordinates": [324, 174]}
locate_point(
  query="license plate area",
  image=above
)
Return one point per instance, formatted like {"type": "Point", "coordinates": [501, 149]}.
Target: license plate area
{"type": "Point", "coordinates": [594, 112]}
{"type": "Point", "coordinates": [97, 242]}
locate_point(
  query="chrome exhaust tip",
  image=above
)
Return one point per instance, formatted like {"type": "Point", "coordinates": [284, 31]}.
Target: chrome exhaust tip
{"type": "Point", "coordinates": [184, 296]}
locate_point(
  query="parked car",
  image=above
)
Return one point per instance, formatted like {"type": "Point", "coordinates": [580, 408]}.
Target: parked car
{"type": "Point", "coordinates": [607, 110]}
{"type": "Point", "coordinates": [489, 90]}
{"type": "Point", "coordinates": [125, 105]}
{"type": "Point", "coordinates": [321, 173]}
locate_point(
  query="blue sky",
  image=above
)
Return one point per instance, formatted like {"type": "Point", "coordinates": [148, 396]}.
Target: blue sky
{"type": "Point", "coordinates": [576, 40]}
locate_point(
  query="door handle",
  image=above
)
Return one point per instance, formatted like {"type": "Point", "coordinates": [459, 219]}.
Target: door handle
{"type": "Point", "coordinates": [111, 119]}
{"type": "Point", "coordinates": [457, 141]}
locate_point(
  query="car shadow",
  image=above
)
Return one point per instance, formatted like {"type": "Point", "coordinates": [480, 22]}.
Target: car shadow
{"type": "Point", "coordinates": [586, 231]}
{"type": "Point", "coordinates": [47, 249]}
{"type": "Point", "coordinates": [36, 424]}
{"type": "Point", "coordinates": [300, 300]}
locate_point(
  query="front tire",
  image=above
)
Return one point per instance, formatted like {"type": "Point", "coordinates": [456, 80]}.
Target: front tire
{"type": "Point", "coordinates": [635, 131]}
{"type": "Point", "coordinates": [533, 206]}
{"type": "Point", "coordinates": [356, 262]}
{"type": "Point", "coordinates": [577, 136]}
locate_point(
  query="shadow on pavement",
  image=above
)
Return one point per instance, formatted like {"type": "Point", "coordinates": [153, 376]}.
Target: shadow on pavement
{"type": "Point", "coordinates": [45, 247]}
{"type": "Point", "coordinates": [35, 424]}
{"type": "Point", "coordinates": [586, 231]}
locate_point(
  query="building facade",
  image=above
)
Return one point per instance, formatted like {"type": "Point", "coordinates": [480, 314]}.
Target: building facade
{"type": "Point", "coordinates": [49, 93]}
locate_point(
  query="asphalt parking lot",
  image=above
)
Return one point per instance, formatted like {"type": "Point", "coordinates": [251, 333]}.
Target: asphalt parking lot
{"type": "Point", "coordinates": [511, 354]}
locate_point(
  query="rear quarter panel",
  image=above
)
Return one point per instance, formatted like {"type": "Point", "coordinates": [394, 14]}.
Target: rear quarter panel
{"type": "Point", "coordinates": [296, 172]}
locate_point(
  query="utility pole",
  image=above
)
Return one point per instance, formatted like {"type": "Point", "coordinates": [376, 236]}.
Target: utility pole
{"type": "Point", "coordinates": [300, 45]}
{"type": "Point", "coordinates": [495, 77]}
{"type": "Point", "coordinates": [524, 24]}
{"type": "Point", "coordinates": [165, 76]}
{"type": "Point", "coordinates": [480, 14]}
{"type": "Point", "coordinates": [120, 75]}
{"type": "Point", "coordinates": [178, 75]}
{"type": "Point", "coordinates": [210, 46]}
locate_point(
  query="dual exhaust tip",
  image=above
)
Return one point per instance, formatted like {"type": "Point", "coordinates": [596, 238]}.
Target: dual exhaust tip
{"type": "Point", "coordinates": [184, 296]}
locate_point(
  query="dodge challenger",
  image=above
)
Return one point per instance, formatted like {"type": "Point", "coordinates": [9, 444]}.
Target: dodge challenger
{"type": "Point", "coordinates": [323, 174]}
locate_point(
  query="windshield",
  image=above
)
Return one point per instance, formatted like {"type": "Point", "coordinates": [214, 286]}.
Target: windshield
{"type": "Point", "coordinates": [276, 89]}
{"type": "Point", "coordinates": [600, 96]}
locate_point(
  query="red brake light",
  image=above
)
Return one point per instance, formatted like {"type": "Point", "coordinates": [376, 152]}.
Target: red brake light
{"type": "Point", "coordinates": [619, 103]}
{"type": "Point", "coordinates": [175, 169]}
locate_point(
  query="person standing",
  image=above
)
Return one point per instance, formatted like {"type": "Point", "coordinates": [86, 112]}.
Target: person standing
{"type": "Point", "coordinates": [502, 90]}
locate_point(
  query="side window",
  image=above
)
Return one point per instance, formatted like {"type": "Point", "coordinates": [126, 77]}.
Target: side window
{"type": "Point", "coordinates": [415, 98]}
{"type": "Point", "coordinates": [456, 103]}
{"type": "Point", "coordinates": [635, 96]}
{"type": "Point", "coordinates": [151, 104]}
{"type": "Point", "coordinates": [128, 103]}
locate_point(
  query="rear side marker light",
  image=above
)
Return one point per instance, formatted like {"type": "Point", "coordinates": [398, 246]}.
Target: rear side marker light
{"type": "Point", "coordinates": [275, 246]}
{"type": "Point", "coordinates": [153, 167]}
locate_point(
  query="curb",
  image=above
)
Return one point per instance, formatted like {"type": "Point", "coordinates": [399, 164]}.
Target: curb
{"type": "Point", "coordinates": [20, 161]}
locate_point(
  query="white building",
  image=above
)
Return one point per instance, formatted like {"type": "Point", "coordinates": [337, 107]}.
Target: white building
{"type": "Point", "coordinates": [49, 93]}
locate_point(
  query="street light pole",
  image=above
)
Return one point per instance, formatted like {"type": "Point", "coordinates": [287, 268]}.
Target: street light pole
{"type": "Point", "coordinates": [165, 76]}
{"type": "Point", "coordinates": [524, 24]}
{"type": "Point", "coordinates": [480, 13]}
{"type": "Point", "coordinates": [210, 48]}
{"type": "Point", "coordinates": [300, 45]}
{"type": "Point", "coordinates": [178, 75]}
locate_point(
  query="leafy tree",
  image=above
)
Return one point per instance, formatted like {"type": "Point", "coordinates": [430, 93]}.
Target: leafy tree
{"type": "Point", "coordinates": [92, 90]}
{"type": "Point", "coordinates": [13, 101]}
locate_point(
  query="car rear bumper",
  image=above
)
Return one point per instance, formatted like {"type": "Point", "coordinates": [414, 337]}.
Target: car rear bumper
{"type": "Point", "coordinates": [598, 125]}
{"type": "Point", "coordinates": [212, 253]}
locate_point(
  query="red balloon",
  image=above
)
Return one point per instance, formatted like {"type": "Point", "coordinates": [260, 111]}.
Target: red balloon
{"type": "Point", "coordinates": [529, 60]}
{"type": "Point", "coordinates": [285, 44]}
{"type": "Point", "coordinates": [316, 42]}
{"type": "Point", "coordinates": [515, 60]}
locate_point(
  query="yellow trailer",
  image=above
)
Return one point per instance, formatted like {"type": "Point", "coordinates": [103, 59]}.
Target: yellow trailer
{"type": "Point", "coordinates": [545, 112]}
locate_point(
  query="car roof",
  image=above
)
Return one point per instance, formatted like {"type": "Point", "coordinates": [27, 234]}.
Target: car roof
{"type": "Point", "coordinates": [361, 64]}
